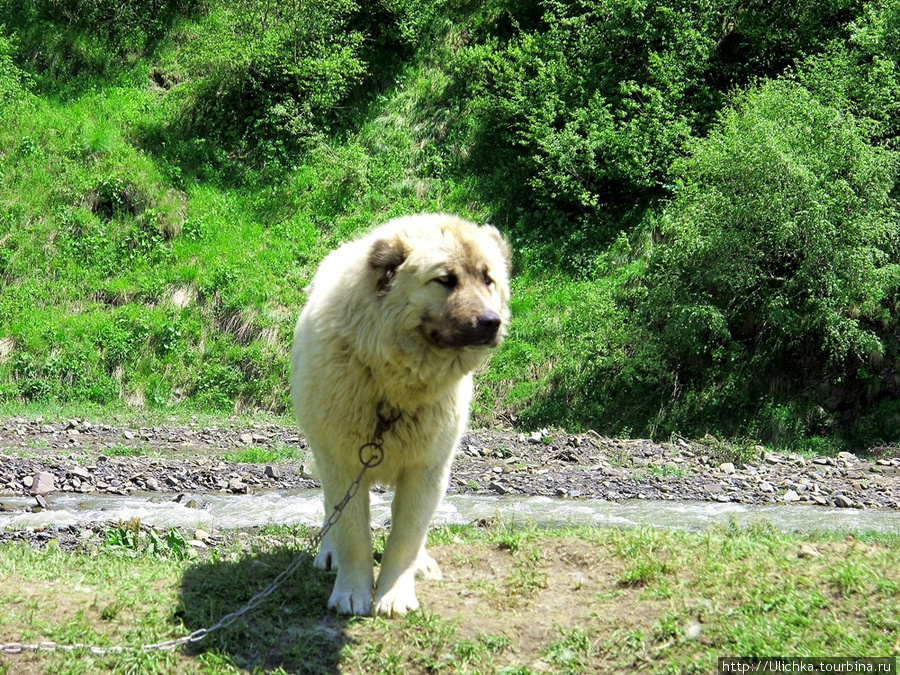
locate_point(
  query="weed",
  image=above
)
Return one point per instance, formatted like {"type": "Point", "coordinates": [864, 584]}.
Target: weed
{"type": "Point", "coordinates": [131, 539]}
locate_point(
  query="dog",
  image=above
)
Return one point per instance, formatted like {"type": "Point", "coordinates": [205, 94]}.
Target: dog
{"type": "Point", "coordinates": [395, 323]}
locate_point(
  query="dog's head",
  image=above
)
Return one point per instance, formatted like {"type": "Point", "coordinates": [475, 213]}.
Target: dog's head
{"type": "Point", "coordinates": [444, 279]}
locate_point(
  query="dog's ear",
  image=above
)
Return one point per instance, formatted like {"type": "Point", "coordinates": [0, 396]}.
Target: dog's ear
{"type": "Point", "coordinates": [385, 257]}
{"type": "Point", "coordinates": [504, 246]}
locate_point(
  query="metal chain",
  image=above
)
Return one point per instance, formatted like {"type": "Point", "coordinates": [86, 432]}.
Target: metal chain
{"type": "Point", "coordinates": [371, 454]}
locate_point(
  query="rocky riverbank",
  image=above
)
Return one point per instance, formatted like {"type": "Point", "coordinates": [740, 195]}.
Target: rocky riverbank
{"type": "Point", "coordinates": [39, 456]}
{"type": "Point", "coordinates": [78, 456]}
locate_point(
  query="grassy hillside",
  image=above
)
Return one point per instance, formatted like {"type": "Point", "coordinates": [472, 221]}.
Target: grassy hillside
{"type": "Point", "coordinates": [702, 197]}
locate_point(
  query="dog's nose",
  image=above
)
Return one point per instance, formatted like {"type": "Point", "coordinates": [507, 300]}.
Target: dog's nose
{"type": "Point", "coordinates": [487, 324]}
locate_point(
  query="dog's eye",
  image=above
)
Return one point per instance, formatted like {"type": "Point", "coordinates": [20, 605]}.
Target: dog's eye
{"type": "Point", "coordinates": [448, 280]}
{"type": "Point", "coordinates": [487, 279]}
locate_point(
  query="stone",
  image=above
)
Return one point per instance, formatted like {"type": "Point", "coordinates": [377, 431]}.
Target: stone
{"type": "Point", "coordinates": [843, 502]}
{"type": "Point", "coordinates": [152, 484]}
{"type": "Point", "coordinates": [790, 496]}
{"type": "Point", "coordinates": [727, 467]}
{"type": "Point", "coordinates": [272, 472]}
{"type": "Point", "coordinates": [44, 483]}
{"type": "Point", "coordinates": [499, 488]}
{"type": "Point", "coordinates": [807, 550]}
{"type": "Point", "coordinates": [246, 439]}
{"type": "Point", "coordinates": [766, 486]}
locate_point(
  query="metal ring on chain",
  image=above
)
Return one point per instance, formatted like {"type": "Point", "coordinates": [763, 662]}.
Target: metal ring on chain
{"type": "Point", "coordinates": [376, 457]}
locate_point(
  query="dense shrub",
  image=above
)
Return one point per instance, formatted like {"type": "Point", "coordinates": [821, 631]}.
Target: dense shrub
{"type": "Point", "coordinates": [12, 79]}
{"type": "Point", "coordinates": [862, 73]}
{"type": "Point", "coordinates": [583, 106]}
{"type": "Point", "coordinates": [775, 282]}
{"type": "Point", "coordinates": [264, 73]}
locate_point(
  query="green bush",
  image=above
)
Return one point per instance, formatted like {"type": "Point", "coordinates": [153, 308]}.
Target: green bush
{"type": "Point", "coordinates": [264, 77]}
{"type": "Point", "coordinates": [776, 277]}
{"type": "Point", "coordinates": [582, 107]}
{"type": "Point", "coordinates": [13, 81]}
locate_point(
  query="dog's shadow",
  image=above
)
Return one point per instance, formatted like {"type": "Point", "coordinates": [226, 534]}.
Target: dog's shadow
{"type": "Point", "coordinates": [290, 630]}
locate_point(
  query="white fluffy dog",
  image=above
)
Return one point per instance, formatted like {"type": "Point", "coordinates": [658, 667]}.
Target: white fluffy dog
{"type": "Point", "coordinates": [394, 321]}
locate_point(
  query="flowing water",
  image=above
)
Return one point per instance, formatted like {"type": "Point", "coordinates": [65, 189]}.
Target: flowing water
{"type": "Point", "coordinates": [227, 511]}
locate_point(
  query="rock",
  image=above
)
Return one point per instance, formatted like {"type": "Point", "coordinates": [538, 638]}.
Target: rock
{"type": "Point", "coordinates": [202, 535]}
{"type": "Point", "coordinates": [713, 488]}
{"type": "Point", "coordinates": [152, 484]}
{"type": "Point", "coordinates": [693, 630]}
{"type": "Point", "coordinates": [843, 502]}
{"type": "Point", "coordinates": [81, 472]}
{"type": "Point", "coordinates": [791, 496]}
{"type": "Point", "coordinates": [272, 472]}
{"type": "Point", "coordinates": [246, 439]}
{"type": "Point", "coordinates": [807, 550]}
{"type": "Point", "coordinates": [41, 502]}
{"type": "Point", "coordinates": [766, 486]}
{"type": "Point", "coordinates": [236, 485]}
{"type": "Point", "coordinates": [727, 467]}
{"type": "Point", "coordinates": [44, 483]}
{"type": "Point", "coordinates": [499, 488]}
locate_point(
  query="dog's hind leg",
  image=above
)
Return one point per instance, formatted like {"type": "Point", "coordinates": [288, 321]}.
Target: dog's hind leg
{"type": "Point", "coordinates": [427, 567]}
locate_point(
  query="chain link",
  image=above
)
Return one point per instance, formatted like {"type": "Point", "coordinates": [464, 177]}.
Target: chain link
{"type": "Point", "coordinates": [371, 454]}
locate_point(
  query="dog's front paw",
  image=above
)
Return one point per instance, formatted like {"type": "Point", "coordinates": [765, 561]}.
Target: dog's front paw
{"type": "Point", "coordinates": [398, 600]}
{"type": "Point", "coordinates": [351, 602]}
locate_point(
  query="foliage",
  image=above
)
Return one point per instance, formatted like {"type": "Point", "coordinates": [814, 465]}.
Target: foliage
{"type": "Point", "coordinates": [701, 195]}
{"type": "Point", "coordinates": [586, 104]}
{"type": "Point", "coordinates": [776, 276]}
{"type": "Point", "coordinates": [13, 80]}
{"type": "Point", "coordinates": [265, 72]}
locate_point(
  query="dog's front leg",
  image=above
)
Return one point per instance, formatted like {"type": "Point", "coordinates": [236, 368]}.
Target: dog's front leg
{"type": "Point", "coordinates": [348, 546]}
{"type": "Point", "coordinates": [418, 493]}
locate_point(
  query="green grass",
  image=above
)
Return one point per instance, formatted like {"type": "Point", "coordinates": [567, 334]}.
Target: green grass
{"type": "Point", "coordinates": [526, 601]}
{"type": "Point", "coordinates": [255, 455]}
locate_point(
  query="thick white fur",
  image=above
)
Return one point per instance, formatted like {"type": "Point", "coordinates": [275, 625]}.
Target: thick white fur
{"type": "Point", "coordinates": [356, 348]}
